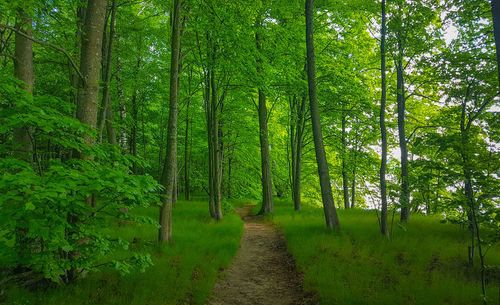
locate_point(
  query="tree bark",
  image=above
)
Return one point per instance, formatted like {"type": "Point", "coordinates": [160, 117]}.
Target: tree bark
{"type": "Point", "coordinates": [345, 182]}
{"type": "Point", "coordinates": [90, 65]}
{"type": "Point", "coordinates": [383, 130]}
{"type": "Point", "coordinates": [186, 152]}
{"type": "Point", "coordinates": [167, 177]}
{"type": "Point", "coordinates": [495, 12]}
{"type": "Point", "coordinates": [297, 121]}
{"type": "Point", "coordinates": [266, 179]}
{"type": "Point", "coordinates": [104, 117]}
{"type": "Point", "coordinates": [331, 217]}
{"type": "Point", "coordinates": [267, 187]}
{"type": "Point", "coordinates": [123, 110]}
{"type": "Point", "coordinates": [404, 198]}
{"type": "Point", "coordinates": [216, 157]}
{"type": "Point", "coordinates": [24, 71]}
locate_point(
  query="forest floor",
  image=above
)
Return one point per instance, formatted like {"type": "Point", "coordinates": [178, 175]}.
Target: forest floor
{"type": "Point", "coordinates": [262, 271]}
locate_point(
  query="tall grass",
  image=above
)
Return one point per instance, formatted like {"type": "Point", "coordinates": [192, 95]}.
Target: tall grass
{"type": "Point", "coordinates": [183, 273]}
{"type": "Point", "coordinates": [425, 262]}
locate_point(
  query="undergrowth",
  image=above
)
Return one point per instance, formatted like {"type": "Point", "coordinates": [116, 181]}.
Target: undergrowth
{"type": "Point", "coordinates": [425, 262]}
{"type": "Point", "coordinates": [183, 273]}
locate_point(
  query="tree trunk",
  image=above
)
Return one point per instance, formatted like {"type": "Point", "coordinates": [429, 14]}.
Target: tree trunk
{"type": "Point", "coordinates": [24, 71]}
{"type": "Point", "coordinates": [267, 187]}
{"type": "Point", "coordinates": [186, 152]}
{"type": "Point", "coordinates": [216, 157]}
{"type": "Point", "coordinates": [404, 198]}
{"type": "Point", "coordinates": [167, 177]}
{"type": "Point", "coordinates": [266, 179]}
{"type": "Point", "coordinates": [495, 12]}
{"type": "Point", "coordinates": [104, 117]}
{"type": "Point", "coordinates": [345, 182]}
{"type": "Point", "coordinates": [354, 166]}
{"type": "Point", "coordinates": [123, 109]}
{"type": "Point", "coordinates": [383, 130]}
{"type": "Point", "coordinates": [297, 121]}
{"type": "Point", "coordinates": [209, 119]}
{"type": "Point", "coordinates": [90, 65]}
{"type": "Point", "coordinates": [331, 217]}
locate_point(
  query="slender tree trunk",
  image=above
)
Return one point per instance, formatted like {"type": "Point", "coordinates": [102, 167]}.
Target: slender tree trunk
{"type": "Point", "coordinates": [383, 130]}
{"type": "Point", "coordinates": [297, 121]}
{"type": "Point", "coordinates": [123, 109]}
{"type": "Point", "coordinates": [104, 117]}
{"type": "Point", "coordinates": [292, 135]}
{"type": "Point", "coordinates": [331, 217]}
{"type": "Point", "coordinates": [216, 157]}
{"type": "Point", "coordinates": [267, 186]}
{"type": "Point", "coordinates": [90, 65]}
{"type": "Point", "coordinates": [208, 113]}
{"type": "Point", "coordinates": [134, 134]}
{"type": "Point", "coordinates": [495, 12]}
{"type": "Point", "coordinates": [186, 152]}
{"type": "Point", "coordinates": [353, 186]}
{"type": "Point", "coordinates": [345, 182]}
{"type": "Point", "coordinates": [404, 198]}
{"type": "Point", "coordinates": [24, 71]}
{"type": "Point", "coordinates": [167, 177]}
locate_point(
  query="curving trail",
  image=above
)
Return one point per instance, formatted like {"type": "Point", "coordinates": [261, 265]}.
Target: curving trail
{"type": "Point", "coordinates": [262, 271]}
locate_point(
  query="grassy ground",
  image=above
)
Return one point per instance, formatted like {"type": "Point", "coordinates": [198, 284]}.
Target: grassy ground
{"type": "Point", "coordinates": [182, 274]}
{"type": "Point", "coordinates": [424, 263]}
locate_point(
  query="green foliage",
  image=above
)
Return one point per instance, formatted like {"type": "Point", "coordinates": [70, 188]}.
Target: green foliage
{"type": "Point", "coordinates": [183, 272]}
{"type": "Point", "coordinates": [47, 222]}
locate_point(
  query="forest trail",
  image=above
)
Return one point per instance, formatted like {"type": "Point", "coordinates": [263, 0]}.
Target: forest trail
{"type": "Point", "coordinates": [262, 271]}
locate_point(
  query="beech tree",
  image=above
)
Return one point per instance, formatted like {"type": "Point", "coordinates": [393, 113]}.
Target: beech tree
{"type": "Point", "coordinates": [324, 176]}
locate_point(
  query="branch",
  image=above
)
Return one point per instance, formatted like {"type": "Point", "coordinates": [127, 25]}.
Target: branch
{"type": "Point", "coordinates": [47, 44]}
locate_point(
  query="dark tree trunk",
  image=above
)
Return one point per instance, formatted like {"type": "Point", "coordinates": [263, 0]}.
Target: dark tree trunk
{"type": "Point", "coordinates": [331, 217]}
{"type": "Point", "coordinates": [383, 130]}
{"type": "Point", "coordinates": [267, 187]}
{"type": "Point", "coordinates": [297, 121]}
{"type": "Point", "coordinates": [345, 182]}
{"type": "Point", "coordinates": [216, 157]}
{"type": "Point", "coordinates": [495, 12]}
{"type": "Point", "coordinates": [105, 118]}
{"type": "Point", "coordinates": [209, 119]}
{"type": "Point", "coordinates": [167, 177]}
{"type": "Point", "coordinates": [266, 179]}
{"type": "Point", "coordinates": [135, 116]}
{"type": "Point", "coordinates": [90, 65]}
{"type": "Point", "coordinates": [24, 71]}
{"type": "Point", "coordinates": [404, 198]}
{"type": "Point", "coordinates": [186, 153]}
{"type": "Point", "coordinates": [354, 166]}
{"type": "Point", "coordinates": [123, 110]}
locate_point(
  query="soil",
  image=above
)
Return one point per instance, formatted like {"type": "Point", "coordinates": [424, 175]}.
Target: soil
{"type": "Point", "coordinates": [262, 271]}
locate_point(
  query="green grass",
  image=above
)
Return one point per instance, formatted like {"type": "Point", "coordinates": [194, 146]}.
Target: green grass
{"type": "Point", "coordinates": [183, 273]}
{"type": "Point", "coordinates": [424, 263]}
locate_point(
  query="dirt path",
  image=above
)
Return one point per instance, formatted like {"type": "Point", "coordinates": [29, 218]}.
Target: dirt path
{"type": "Point", "coordinates": [262, 271]}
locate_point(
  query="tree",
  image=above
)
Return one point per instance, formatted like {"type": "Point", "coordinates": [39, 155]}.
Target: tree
{"type": "Point", "coordinates": [167, 177]}
{"type": "Point", "coordinates": [267, 187]}
{"type": "Point", "coordinates": [90, 64]}
{"type": "Point", "coordinates": [23, 70]}
{"type": "Point", "coordinates": [383, 131]}
{"type": "Point", "coordinates": [331, 217]}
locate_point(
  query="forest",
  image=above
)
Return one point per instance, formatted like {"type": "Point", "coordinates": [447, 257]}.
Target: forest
{"type": "Point", "coordinates": [250, 152]}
